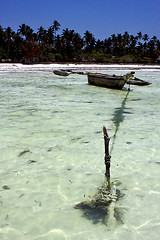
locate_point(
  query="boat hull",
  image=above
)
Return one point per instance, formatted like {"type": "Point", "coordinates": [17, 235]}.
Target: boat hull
{"type": "Point", "coordinates": [61, 73]}
{"type": "Point", "coordinates": [107, 81]}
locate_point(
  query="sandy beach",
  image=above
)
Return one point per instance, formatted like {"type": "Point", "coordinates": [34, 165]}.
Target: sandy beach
{"type": "Point", "coordinates": [18, 67]}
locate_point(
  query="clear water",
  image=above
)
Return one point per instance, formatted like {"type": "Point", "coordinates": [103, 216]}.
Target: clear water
{"type": "Point", "coordinates": [52, 157]}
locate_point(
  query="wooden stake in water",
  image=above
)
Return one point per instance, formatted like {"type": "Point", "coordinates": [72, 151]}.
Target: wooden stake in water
{"type": "Point", "coordinates": [107, 156]}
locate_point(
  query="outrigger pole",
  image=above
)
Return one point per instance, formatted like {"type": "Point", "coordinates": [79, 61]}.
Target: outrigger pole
{"type": "Point", "coordinates": [107, 156]}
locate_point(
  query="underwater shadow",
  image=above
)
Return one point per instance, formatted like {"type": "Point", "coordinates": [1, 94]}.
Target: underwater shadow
{"type": "Point", "coordinates": [102, 208]}
{"type": "Point", "coordinates": [118, 117]}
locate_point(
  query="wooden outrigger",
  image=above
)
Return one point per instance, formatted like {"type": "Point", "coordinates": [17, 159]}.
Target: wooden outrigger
{"type": "Point", "coordinates": [137, 81]}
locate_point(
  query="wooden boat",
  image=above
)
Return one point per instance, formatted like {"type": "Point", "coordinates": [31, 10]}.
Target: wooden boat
{"type": "Point", "coordinates": [62, 73]}
{"type": "Point", "coordinates": [67, 72]}
{"type": "Point", "coordinates": [137, 81]}
{"type": "Point", "coordinates": [109, 81]}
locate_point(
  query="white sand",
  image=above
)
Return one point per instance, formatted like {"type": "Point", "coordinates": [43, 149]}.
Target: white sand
{"type": "Point", "coordinates": [18, 67]}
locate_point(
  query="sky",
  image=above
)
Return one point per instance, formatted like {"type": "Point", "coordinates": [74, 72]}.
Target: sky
{"type": "Point", "coordinates": [101, 17]}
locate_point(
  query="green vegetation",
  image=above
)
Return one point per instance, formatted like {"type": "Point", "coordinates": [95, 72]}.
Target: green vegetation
{"type": "Point", "coordinates": [46, 45]}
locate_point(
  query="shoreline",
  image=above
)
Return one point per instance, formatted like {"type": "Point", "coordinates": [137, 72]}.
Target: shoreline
{"type": "Point", "coordinates": [50, 67]}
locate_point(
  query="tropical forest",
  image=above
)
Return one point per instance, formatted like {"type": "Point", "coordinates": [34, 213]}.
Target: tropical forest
{"type": "Point", "coordinates": [46, 45]}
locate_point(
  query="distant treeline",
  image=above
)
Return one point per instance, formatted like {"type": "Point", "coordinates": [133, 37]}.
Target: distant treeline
{"type": "Point", "coordinates": [46, 45]}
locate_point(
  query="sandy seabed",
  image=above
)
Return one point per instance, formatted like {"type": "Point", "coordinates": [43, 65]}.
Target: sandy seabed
{"type": "Point", "coordinates": [52, 154]}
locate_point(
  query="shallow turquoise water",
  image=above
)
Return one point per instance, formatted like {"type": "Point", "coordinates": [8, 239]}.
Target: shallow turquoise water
{"type": "Point", "coordinates": [52, 157]}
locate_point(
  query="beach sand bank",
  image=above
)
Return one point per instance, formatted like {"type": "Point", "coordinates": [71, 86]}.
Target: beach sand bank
{"type": "Point", "coordinates": [18, 67]}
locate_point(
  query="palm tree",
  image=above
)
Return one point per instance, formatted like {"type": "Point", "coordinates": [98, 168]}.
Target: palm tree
{"type": "Point", "coordinates": [108, 45]}
{"type": "Point", "coordinates": [50, 36]}
{"type": "Point", "coordinates": [125, 39]}
{"type": "Point", "coordinates": [29, 33]}
{"type": "Point", "coordinates": [67, 43]}
{"type": "Point", "coordinates": [99, 44]}
{"type": "Point", "coordinates": [22, 29]}
{"type": "Point", "coordinates": [78, 45]}
{"type": "Point", "coordinates": [132, 43]}
{"type": "Point", "coordinates": [8, 39]}
{"type": "Point", "coordinates": [120, 44]}
{"type": "Point", "coordinates": [18, 43]}
{"type": "Point", "coordinates": [145, 37]}
{"type": "Point", "coordinates": [89, 41]}
{"type": "Point", "coordinates": [26, 31]}
{"type": "Point", "coordinates": [40, 33]}
{"type": "Point", "coordinates": [114, 45]}
{"type": "Point", "coordinates": [1, 36]}
{"type": "Point", "coordinates": [139, 35]}
{"type": "Point", "coordinates": [2, 44]}
{"type": "Point", "coordinates": [152, 47]}
{"type": "Point", "coordinates": [158, 46]}
{"type": "Point", "coordinates": [125, 42]}
{"type": "Point", "coordinates": [154, 38]}
{"type": "Point", "coordinates": [56, 27]}
{"type": "Point", "coordinates": [139, 47]}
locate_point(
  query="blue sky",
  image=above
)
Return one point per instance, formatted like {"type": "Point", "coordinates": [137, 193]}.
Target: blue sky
{"type": "Point", "coordinates": [101, 17]}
